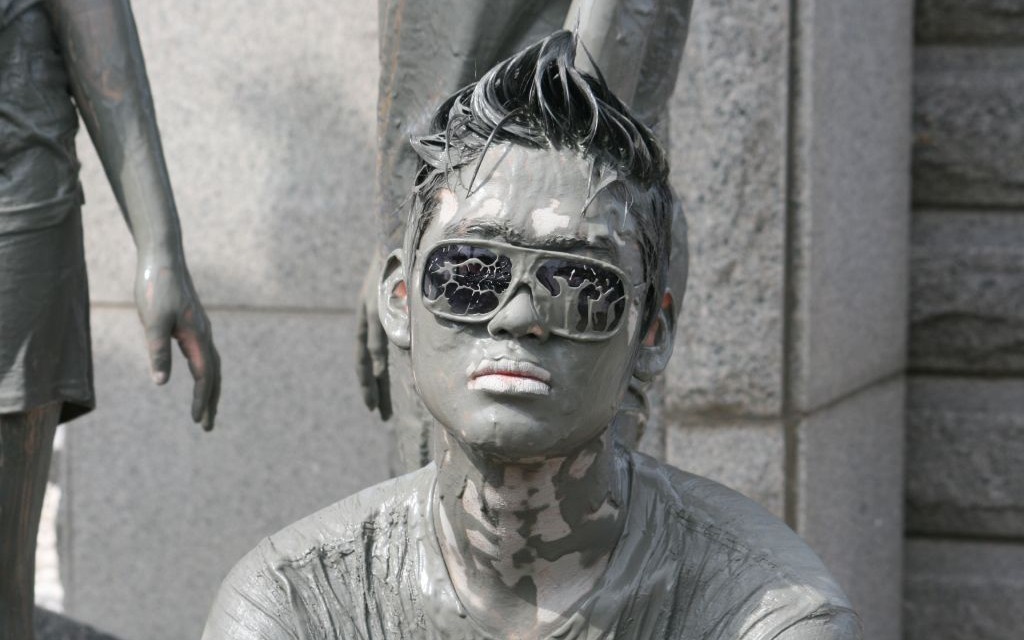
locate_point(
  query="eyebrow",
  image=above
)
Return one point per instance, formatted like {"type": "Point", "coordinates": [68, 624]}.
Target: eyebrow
{"type": "Point", "coordinates": [551, 242]}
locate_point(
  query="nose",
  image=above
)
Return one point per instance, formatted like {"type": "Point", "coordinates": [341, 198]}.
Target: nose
{"type": "Point", "coordinates": [517, 318]}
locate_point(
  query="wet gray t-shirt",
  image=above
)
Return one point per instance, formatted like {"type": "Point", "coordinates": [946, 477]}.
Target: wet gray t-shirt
{"type": "Point", "coordinates": [696, 561]}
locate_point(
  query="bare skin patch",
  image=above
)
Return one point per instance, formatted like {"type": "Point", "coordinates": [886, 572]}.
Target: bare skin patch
{"type": "Point", "coordinates": [489, 208]}
{"type": "Point", "coordinates": [581, 463]}
{"type": "Point", "coordinates": [448, 204]}
{"type": "Point", "coordinates": [547, 219]}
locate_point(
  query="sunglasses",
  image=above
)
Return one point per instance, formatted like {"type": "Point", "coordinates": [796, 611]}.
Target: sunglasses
{"type": "Point", "coordinates": [574, 296]}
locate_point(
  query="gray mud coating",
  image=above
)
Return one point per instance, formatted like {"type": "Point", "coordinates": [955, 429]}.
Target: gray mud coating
{"type": "Point", "coordinates": [533, 522]}
{"type": "Point", "coordinates": [106, 74]}
{"type": "Point", "coordinates": [637, 43]}
{"type": "Point", "coordinates": [58, 57]}
{"type": "Point", "coordinates": [696, 560]}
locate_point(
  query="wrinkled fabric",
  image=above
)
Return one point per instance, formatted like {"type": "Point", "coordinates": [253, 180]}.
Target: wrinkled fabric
{"type": "Point", "coordinates": [44, 303]}
{"type": "Point", "coordinates": [697, 561]}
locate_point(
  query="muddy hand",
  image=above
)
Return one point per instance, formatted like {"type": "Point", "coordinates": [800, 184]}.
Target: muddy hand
{"type": "Point", "coordinates": [372, 347]}
{"type": "Point", "coordinates": [169, 307]}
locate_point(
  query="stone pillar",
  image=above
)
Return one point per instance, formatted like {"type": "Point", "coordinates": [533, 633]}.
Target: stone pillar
{"type": "Point", "coordinates": [792, 137]}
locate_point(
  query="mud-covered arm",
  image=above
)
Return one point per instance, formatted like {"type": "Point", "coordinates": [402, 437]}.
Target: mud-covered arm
{"type": "Point", "coordinates": [638, 46]}
{"type": "Point", "coordinates": [101, 48]}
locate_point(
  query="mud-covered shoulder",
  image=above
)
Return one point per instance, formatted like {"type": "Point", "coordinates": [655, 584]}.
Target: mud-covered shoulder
{"type": "Point", "coordinates": [774, 559]}
{"type": "Point", "coordinates": [722, 513]}
{"type": "Point", "coordinates": [343, 523]}
{"type": "Point", "coordinates": [261, 598]}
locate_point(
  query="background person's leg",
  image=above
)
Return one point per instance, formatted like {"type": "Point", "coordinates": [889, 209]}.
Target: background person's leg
{"type": "Point", "coordinates": [26, 445]}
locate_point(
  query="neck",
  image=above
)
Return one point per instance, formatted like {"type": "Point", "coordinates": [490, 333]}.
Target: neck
{"type": "Point", "coordinates": [528, 540]}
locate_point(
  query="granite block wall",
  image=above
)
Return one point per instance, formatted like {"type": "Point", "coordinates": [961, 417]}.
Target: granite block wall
{"type": "Point", "coordinates": [965, 408]}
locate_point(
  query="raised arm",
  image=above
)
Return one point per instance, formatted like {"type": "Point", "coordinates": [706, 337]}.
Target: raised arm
{"type": "Point", "coordinates": [637, 45]}
{"type": "Point", "coordinates": [108, 76]}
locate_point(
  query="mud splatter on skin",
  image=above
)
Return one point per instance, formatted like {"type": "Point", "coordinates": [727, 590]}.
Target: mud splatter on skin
{"type": "Point", "coordinates": [530, 493]}
{"type": "Point", "coordinates": [537, 535]}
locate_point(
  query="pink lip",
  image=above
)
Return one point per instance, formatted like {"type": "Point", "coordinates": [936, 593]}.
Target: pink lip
{"type": "Point", "coordinates": [508, 376]}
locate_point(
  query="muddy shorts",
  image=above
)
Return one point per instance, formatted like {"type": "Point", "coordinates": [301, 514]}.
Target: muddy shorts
{"type": "Point", "coordinates": [44, 301]}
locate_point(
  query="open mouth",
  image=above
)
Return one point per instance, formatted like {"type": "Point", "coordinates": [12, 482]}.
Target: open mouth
{"type": "Point", "coordinates": [513, 377]}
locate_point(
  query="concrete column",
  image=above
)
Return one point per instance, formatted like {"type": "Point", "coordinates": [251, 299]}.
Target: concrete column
{"type": "Point", "coordinates": [791, 147]}
{"type": "Point", "coordinates": [849, 222]}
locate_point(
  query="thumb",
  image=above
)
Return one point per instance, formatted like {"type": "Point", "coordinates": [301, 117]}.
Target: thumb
{"type": "Point", "coordinates": [158, 341]}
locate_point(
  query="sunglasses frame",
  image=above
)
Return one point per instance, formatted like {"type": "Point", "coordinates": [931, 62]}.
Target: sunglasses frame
{"type": "Point", "coordinates": [523, 272]}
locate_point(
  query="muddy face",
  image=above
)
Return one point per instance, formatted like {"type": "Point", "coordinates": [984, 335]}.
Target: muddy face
{"type": "Point", "coordinates": [520, 384]}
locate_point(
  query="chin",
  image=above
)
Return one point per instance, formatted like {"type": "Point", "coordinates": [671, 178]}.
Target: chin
{"type": "Point", "coordinates": [508, 434]}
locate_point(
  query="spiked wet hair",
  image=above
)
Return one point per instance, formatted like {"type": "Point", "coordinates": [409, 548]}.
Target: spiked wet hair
{"type": "Point", "coordinates": [539, 99]}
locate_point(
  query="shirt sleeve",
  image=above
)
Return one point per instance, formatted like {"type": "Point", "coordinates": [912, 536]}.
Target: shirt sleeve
{"type": "Point", "coordinates": [841, 624]}
{"type": "Point", "coordinates": [251, 603]}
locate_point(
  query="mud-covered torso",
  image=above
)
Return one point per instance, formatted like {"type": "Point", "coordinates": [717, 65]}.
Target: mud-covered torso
{"type": "Point", "coordinates": [38, 167]}
{"type": "Point", "coordinates": [697, 561]}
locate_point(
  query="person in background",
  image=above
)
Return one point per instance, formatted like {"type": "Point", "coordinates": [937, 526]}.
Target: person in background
{"type": "Point", "coordinates": [61, 59]}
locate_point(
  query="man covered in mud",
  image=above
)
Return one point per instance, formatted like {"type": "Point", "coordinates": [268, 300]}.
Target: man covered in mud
{"type": "Point", "coordinates": [528, 291]}
{"type": "Point", "coordinates": [431, 48]}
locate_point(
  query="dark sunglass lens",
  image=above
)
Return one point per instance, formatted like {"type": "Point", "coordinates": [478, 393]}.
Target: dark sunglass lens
{"type": "Point", "coordinates": [470, 278]}
{"type": "Point", "coordinates": [600, 298]}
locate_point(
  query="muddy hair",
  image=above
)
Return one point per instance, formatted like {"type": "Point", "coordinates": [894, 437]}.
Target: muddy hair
{"type": "Point", "coordinates": [540, 100]}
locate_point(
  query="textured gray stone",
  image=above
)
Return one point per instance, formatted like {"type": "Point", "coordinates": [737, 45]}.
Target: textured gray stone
{"type": "Point", "coordinates": [965, 446]}
{"type": "Point", "coordinates": [849, 504]}
{"type": "Point", "coordinates": [974, 21]}
{"type": "Point", "coordinates": [851, 197]}
{"type": "Point", "coordinates": [728, 164]}
{"type": "Point", "coordinates": [969, 126]}
{"type": "Point", "coordinates": [268, 116]}
{"type": "Point", "coordinates": [964, 591]}
{"type": "Point", "coordinates": [967, 302]}
{"type": "Point", "coordinates": [158, 511]}
{"type": "Point", "coordinates": [746, 457]}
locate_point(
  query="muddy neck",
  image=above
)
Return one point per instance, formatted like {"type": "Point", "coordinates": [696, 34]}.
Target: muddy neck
{"type": "Point", "coordinates": [528, 541]}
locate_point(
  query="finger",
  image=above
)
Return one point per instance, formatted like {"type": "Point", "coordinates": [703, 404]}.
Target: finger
{"type": "Point", "coordinates": [364, 364]}
{"type": "Point", "coordinates": [203, 387]}
{"type": "Point", "coordinates": [210, 413]}
{"type": "Point", "coordinates": [377, 344]}
{"type": "Point", "coordinates": [383, 388]}
{"type": "Point", "coordinates": [158, 343]}
{"type": "Point", "coordinates": [199, 363]}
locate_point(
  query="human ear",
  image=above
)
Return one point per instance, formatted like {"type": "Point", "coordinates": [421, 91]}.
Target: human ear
{"type": "Point", "coordinates": [657, 345]}
{"type": "Point", "coordinates": [393, 301]}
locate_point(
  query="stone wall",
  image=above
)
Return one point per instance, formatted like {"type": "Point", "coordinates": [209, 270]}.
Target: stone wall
{"type": "Point", "coordinates": [791, 143]}
{"type": "Point", "coordinates": [791, 148]}
{"type": "Point", "coordinates": [965, 413]}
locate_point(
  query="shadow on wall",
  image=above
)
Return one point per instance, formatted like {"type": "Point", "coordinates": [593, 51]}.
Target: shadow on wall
{"type": "Point", "coordinates": [319, 188]}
